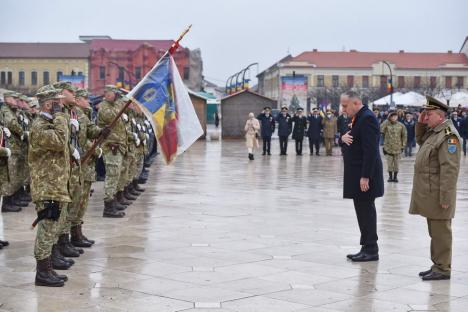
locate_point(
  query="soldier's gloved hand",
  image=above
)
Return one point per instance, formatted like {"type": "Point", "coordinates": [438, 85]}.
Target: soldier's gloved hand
{"type": "Point", "coordinates": [105, 131]}
{"type": "Point", "coordinates": [147, 136]}
{"type": "Point", "coordinates": [150, 130]}
{"type": "Point", "coordinates": [20, 118]}
{"type": "Point", "coordinates": [137, 142]}
{"type": "Point", "coordinates": [7, 132]}
{"type": "Point", "coordinates": [75, 124]}
{"type": "Point", "coordinates": [138, 127]}
{"type": "Point", "coordinates": [143, 128]}
{"type": "Point", "coordinates": [98, 152]}
{"type": "Point", "coordinates": [144, 142]}
{"type": "Point", "coordinates": [76, 154]}
{"type": "Point", "coordinates": [133, 121]}
{"type": "Point", "coordinates": [135, 136]}
{"type": "Point", "coordinates": [25, 136]}
{"type": "Point", "coordinates": [125, 117]}
{"type": "Point", "coordinates": [8, 151]}
{"type": "Point", "coordinates": [147, 123]}
{"type": "Point", "coordinates": [26, 121]}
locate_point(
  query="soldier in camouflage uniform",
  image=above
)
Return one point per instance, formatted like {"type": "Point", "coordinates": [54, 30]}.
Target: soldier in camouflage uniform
{"type": "Point", "coordinates": [114, 149]}
{"type": "Point", "coordinates": [141, 150]}
{"type": "Point", "coordinates": [11, 121]}
{"type": "Point", "coordinates": [26, 119]}
{"type": "Point", "coordinates": [49, 162]}
{"type": "Point", "coordinates": [87, 132]}
{"type": "Point", "coordinates": [5, 153]}
{"type": "Point", "coordinates": [394, 135]}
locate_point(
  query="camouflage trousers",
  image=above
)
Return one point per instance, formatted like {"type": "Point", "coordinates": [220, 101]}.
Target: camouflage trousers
{"type": "Point", "coordinates": [85, 193]}
{"type": "Point", "coordinates": [16, 168]}
{"type": "Point", "coordinates": [47, 233]}
{"type": "Point", "coordinates": [132, 167]}
{"type": "Point", "coordinates": [139, 165]}
{"type": "Point", "coordinates": [393, 162]}
{"type": "Point", "coordinates": [127, 164]}
{"type": "Point", "coordinates": [114, 169]}
{"type": "Point", "coordinates": [75, 187]}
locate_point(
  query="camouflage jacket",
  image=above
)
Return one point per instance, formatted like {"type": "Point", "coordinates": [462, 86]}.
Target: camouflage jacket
{"type": "Point", "coordinates": [10, 121]}
{"type": "Point", "coordinates": [394, 137]}
{"type": "Point", "coordinates": [49, 158]}
{"type": "Point", "coordinates": [118, 135]}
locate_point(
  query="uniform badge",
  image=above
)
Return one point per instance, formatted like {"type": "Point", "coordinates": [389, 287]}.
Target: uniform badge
{"type": "Point", "coordinates": [452, 145]}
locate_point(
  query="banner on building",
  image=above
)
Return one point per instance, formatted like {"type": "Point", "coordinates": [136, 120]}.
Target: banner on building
{"type": "Point", "coordinates": [293, 92]}
{"type": "Point", "coordinates": [76, 80]}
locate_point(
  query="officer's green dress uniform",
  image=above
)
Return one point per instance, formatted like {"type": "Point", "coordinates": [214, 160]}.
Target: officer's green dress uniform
{"type": "Point", "coordinates": [394, 134]}
{"type": "Point", "coordinates": [435, 183]}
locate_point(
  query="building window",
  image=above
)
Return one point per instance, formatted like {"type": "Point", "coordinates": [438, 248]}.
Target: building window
{"type": "Point", "coordinates": [186, 73]}
{"type": "Point", "coordinates": [9, 78]}
{"type": "Point", "coordinates": [102, 72]}
{"type": "Point", "coordinates": [350, 81]}
{"type": "Point", "coordinates": [59, 74]}
{"type": "Point", "coordinates": [365, 81]}
{"type": "Point", "coordinates": [401, 81]}
{"type": "Point", "coordinates": [417, 81]}
{"type": "Point", "coordinates": [73, 73]}
{"type": "Point", "coordinates": [2, 78]}
{"type": "Point", "coordinates": [121, 74]}
{"type": "Point", "coordinates": [448, 82]}
{"type": "Point", "coordinates": [335, 81]}
{"type": "Point", "coordinates": [45, 78]}
{"type": "Point", "coordinates": [34, 78]}
{"type": "Point", "coordinates": [433, 82]}
{"type": "Point", "coordinates": [320, 81]}
{"type": "Point", "coordinates": [21, 78]}
{"type": "Point", "coordinates": [138, 73]}
{"type": "Point", "coordinates": [383, 82]}
{"type": "Point", "coordinates": [80, 73]}
{"type": "Point", "coordinates": [459, 82]}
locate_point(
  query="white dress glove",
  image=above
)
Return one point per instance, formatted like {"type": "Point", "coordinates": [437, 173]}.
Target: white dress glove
{"type": "Point", "coordinates": [7, 132]}
{"type": "Point", "coordinates": [147, 123]}
{"type": "Point", "coordinates": [144, 142]}
{"type": "Point", "coordinates": [99, 150]}
{"type": "Point", "coordinates": [125, 117]}
{"type": "Point", "coordinates": [133, 121]}
{"type": "Point", "coordinates": [76, 154]}
{"type": "Point", "coordinates": [137, 142]}
{"type": "Point", "coordinates": [75, 124]}
{"type": "Point", "coordinates": [8, 151]}
{"type": "Point", "coordinates": [21, 118]}
{"type": "Point", "coordinates": [25, 136]}
{"type": "Point", "coordinates": [138, 127]}
{"type": "Point", "coordinates": [144, 128]}
{"type": "Point", "coordinates": [135, 136]}
{"type": "Point", "coordinates": [147, 136]}
{"type": "Point", "coordinates": [26, 121]}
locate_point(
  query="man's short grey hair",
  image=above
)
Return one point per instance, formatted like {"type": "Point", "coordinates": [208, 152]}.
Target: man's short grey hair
{"type": "Point", "coordinates": [352, 94]}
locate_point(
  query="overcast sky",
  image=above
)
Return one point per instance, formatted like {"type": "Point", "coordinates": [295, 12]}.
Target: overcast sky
{"type": "Point", "coordinates": [233, 34]}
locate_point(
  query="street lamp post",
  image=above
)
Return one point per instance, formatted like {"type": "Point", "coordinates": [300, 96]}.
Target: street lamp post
{"type": "Point", "coordinates": [392, 104]}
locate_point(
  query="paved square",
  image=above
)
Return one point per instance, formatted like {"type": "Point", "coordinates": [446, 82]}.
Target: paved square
{"type": "Point", "coordinates": [217, 232]}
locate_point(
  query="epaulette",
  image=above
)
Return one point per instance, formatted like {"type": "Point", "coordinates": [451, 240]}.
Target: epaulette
{"type": "Point", "coordinates": [448, 131]}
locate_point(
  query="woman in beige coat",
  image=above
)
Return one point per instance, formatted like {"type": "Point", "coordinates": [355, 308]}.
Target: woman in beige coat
{"type": "Point", "coordinates": [252, 126]}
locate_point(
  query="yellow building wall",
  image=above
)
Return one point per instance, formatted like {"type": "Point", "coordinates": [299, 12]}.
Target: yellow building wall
{"type": "Point", "coordinates": [66, 66]}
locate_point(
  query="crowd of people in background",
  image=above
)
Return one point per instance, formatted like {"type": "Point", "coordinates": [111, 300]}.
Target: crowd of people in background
{"type": "Point", "coordinates": [326, 127]}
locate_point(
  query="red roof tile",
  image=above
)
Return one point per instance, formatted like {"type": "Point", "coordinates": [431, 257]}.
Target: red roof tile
{"type": "Point", "coordinates": [43, 50]}
{"type": "Point", "coordinates": [124, 45]}
{"type": "Point", "coordinates": [366, 59]}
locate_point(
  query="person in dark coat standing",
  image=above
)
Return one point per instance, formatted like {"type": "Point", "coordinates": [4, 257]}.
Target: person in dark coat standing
{"type": "Point", "coordinates": [409, 123]}
{"type": "Point", "coordinates": [267, 124]}
{"type": "Point", "coordinates": [314, 131]}
{"type": "Point", "coordinates": [284, 129]}
{"type": "Point", "coordinates": [464, 130]}
{"type": "Point", "coordinates": [300, 125]}
{"type": "Point", "coordinates": [363, 172]}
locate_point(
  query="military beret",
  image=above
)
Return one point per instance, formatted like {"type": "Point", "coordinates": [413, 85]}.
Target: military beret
{"type": "Point", "coordinates": [433, 103]}
{"type": "Point", "coordinates": [284, 108]}
{"type": "Point", "coordinates": [64, 85]}
{"type": "Point", "coordinates": [24, 98]}
{"type": "Point", "coordinates": [81, 93]}
{"type": "Point", "coordinates": [12, 94]}
{"type": "Point", "coordinates": [111, 88]}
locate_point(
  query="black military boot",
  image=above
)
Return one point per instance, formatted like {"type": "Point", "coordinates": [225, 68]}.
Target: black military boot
{"type": "Point", "coordinates": [56, 254]}
{"type": "Point", "coordinates": [251, 156]}
{"type": "Point", "coordinates": [4, 244]}
{"type": "Point", "coordinates": [126, 193]}
{"type": "Point", "coordinates": [121, 199]}
{"type": "Point", "coordinates": [57, 260]}
{"type": "Point", "coordinates": [137, 187]}
{"type": "Point", "coordinates": [395, 174]}
{"type": "Point", "coordinates": [8, 206]}
{"type": "Point", "coordinates": [132, 190]}
{"type": "Point", "coordinates": [65, 247]}
{"type": "Point", "coordinates": [390, 176]}
{"type": "Point", "coordinates": [80, 227]}
{"type": "Point", "coordinates": [17, 201]}
{"type": "Point", "coordinates": [44, 277]}
{"type": "Point", "coordinates": [24, 196]}
{"type": "Point", "coordinates": [110, 211]}
{"type": "Point", "coordinates": [76, 239]}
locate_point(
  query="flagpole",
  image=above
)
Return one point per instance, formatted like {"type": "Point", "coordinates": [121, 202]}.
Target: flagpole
{"type": "Point", "coordinates": [101, 138]}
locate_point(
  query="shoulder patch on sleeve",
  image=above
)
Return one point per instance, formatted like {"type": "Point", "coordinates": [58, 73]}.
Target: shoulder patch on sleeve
{"type": "Point", "coordinates": [452, 144]}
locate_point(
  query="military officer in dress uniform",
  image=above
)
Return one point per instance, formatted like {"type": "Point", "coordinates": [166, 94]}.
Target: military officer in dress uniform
{"type": "Point", "coordinates": [267, 125]}
{"type": "Point", "coordinates": [435, 183]}
{"type": "Point", "coordinates": [300, 125]}
{"type": "Point", "coordinates": [314, 131]}
{"type": "Point", "coordinates": [284, 129]}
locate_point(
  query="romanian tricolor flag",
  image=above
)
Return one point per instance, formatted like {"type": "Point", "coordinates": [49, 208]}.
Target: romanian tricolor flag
{"type": "Point", "coordinates": [166, 102]}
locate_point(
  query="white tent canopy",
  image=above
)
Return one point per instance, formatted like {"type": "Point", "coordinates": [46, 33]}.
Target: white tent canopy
{"type": "Point", "coordinates": [410, 99]}
{"type": "Point", "coordinates": [386, 99]}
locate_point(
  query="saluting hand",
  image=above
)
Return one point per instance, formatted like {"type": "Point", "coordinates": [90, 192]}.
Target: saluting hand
{"type": "Point", "coordinates": [347, 138]}
{"type": "Point", "coordinates": [364, 183]}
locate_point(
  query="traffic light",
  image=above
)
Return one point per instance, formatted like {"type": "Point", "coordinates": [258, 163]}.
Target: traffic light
{"type": "Point", "coordinates": [389, 86]}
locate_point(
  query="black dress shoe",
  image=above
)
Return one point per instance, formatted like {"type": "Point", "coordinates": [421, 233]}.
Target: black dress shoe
{"type": "Point", "coordinates": [351, 256]}
{"type": "Point", "coordinates": [435, 276]}
{"type": "Point", "coordinates": [423, 273]}
{"type": "Point", "coordinates": [365, 257]}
